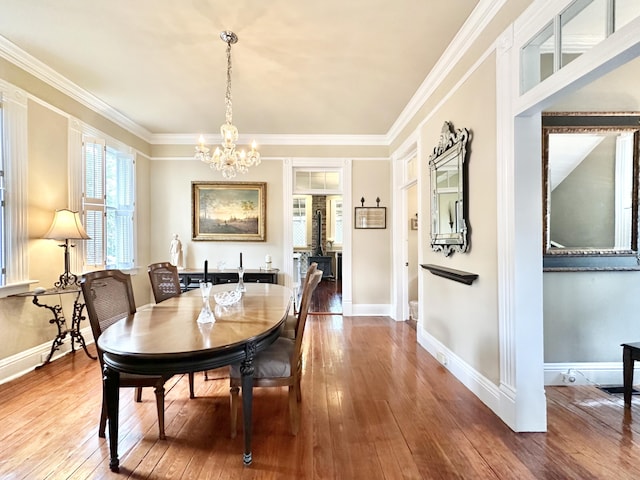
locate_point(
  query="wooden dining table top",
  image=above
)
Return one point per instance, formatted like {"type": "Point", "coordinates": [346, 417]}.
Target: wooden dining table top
{"type": "Point", "coordinates": [170, 328]}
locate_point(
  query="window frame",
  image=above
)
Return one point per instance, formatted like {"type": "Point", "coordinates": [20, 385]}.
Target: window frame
{"type": "Point", "coordinates": [13, 129]}
{"type": "Point", "coordinates": [99, 211]}
{"type": "Point", "coordinates": [308, 221]}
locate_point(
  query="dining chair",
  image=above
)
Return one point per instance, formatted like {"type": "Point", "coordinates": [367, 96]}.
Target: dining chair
{"type": "Point", "coordinates": [165, 284]}
{"type": "Point", "coordinates": [290, 324]}
{"type": "Point", "coordinates": [108, 296]}
{"type": "Point", "coordinates": [279, 365]}
{"type": "Point", "coordinates": [165, 281]}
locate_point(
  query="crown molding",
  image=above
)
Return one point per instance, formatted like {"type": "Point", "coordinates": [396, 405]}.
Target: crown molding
{"type": "Point", "coordinates": [266, 139]}
{"type": "Point", "coordinates": [484, 12]}
{"type": "Point", "coordinates": [480, 17]}
{"type": "Point", "coordinates": [12, 53]}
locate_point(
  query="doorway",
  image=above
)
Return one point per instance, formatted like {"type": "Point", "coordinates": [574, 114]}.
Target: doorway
{"type": "Point", "coordinates": [318, 238]}
{"type": "Point", "coordinates": [317, 215]}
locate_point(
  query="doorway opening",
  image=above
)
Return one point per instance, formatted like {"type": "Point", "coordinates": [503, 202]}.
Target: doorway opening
{"type": "Point", "coordinates": [319, 213]}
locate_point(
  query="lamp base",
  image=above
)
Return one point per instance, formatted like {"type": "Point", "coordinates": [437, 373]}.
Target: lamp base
{"type": "Point", "coordinates": [67, 280]}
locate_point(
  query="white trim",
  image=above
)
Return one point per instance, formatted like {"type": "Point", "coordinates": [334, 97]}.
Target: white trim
{"type": "Point", "coordinates": [586, 373]}
{"type": "Point", "coordinates": [521, 344]}
{"type": "Point", "coordinates": [344, 165]}
{"type": "Point", "coordinates": [477, 383]}
{"type": "Point", "coordinates": [35, 67]}
{"type": "Point", "coordinates": [14, 112]}
{"type": "Point", "coordinates": [399, 233]}
{"type": "Point", "coordinates": [15, 288]}
{"type": "Point", "coordinates": [310, 160]}
{"type": "Point", "coordinates": [619, 48]}
{"type": "Point", "coordinates": [23, 362]}
{"type": "Point", "coordinates": [479, 18]}
{"type": "Point", "coordinates": [370, 310]}
{"type": "Point", "coordinates": [269, 139]}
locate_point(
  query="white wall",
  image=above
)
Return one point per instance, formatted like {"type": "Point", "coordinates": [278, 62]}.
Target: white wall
{"type": "Point", "coordinates": [170, 199]}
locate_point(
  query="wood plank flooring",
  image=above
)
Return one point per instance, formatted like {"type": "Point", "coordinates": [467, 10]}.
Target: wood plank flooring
{"type": "Point", "coordinates": [375, 406]}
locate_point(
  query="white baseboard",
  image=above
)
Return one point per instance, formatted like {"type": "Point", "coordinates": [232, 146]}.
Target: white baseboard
{"type": "Point", "coordinates": [372, 310]}
{"type": "Point", "coordinates": [23, 362]}
{"type": "Point", "coordinates": [483, 388]}
{"type": "Point", "coordinates": [585, 373]}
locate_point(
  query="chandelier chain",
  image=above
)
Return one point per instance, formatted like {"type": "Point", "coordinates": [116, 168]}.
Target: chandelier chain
{"type": "Point", "coordinates": [226, 158]}
{"type": "Point", "coordinates": [227, 97]}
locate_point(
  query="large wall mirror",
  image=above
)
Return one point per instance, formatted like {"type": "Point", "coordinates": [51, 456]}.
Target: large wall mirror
{"type": "Point", "coordinates": [448, 191]}
{"type": "Point", "coordinates": [590, 176]}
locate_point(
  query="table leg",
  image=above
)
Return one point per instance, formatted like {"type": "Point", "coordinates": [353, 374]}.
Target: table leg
{"type": "Point", "coordinates": [246, 370]}
{"type": "Point", "coordinates": [61, 324]}
{"type": "Point", "coordinates": [112, 398]}
{"type": "Point", "coordinates": [627, 368]}
{"type": "Point", "coordinates": [74, 332]}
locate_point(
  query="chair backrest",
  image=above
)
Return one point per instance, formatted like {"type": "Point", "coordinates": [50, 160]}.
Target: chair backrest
{"type": "Point", "coordinates": [108, 296]}
{"type": "Point", "coordinates": [165, 281]}
{"type": "Point", "coordinates": [310, 271]}
{"type": "Point", "coordinates": [304, 311]}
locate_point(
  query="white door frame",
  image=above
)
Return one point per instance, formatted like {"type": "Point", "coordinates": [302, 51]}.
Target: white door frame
{"type": "Point", "coordinates": [401, 183]}
{"type": "Point", "coordinates": [344, 166]}
{"type": "Point", "coordinates": [520, 309]}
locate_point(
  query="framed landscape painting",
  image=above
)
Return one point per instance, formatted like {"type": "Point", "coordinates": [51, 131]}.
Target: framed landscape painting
{"type": "Point", "coordinates": [229, 211]}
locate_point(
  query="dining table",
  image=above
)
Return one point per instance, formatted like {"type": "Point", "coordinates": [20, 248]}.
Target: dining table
{"type": "Point", "coordinates": [166, 339]}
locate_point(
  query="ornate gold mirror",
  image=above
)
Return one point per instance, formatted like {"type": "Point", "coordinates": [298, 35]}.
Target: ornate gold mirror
{"type": "Point", "coordinates": [590, 177]}
{"type": "Point", "coordinates": [448, 191]}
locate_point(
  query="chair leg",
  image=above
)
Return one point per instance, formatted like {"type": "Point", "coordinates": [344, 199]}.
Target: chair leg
{"type": "Point", "coordinates": [298, 390]}
{"type": "Point", "coordinates": [138, 394]}
{"type": "Point", "coordinates": [103, 420]}
{"type": "Point", "coordinates": [234, 411]}
{"type": "Point", "coordinates": [191, 392]}
{"type": "Point", "coordinates": [159, 390]}
{"type": "Point", "coordinates": [293, 410]}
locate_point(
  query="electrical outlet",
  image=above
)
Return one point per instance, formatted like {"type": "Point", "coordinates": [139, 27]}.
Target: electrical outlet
{"type": "Point", "coordinates": [568, 377]}
{"type": "Point", "coordinates": [442, 358]}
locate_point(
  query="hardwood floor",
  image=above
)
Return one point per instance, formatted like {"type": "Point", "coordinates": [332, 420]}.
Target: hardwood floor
{"type": "Point", "coordinates": [327, 299]}
{"type": "Point", "coordinates": [375, 406]}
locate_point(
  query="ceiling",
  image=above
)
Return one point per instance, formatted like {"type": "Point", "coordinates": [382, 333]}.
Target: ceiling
{"type": "Point", "coordinates": [331, 67]}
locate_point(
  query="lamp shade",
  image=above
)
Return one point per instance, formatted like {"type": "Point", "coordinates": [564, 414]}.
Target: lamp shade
{"type": "Point", "coordinates": [66, 225]}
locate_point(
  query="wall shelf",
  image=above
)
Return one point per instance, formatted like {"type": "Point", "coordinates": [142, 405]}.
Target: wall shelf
{"type": "Point", "coordinates": [455, 275]}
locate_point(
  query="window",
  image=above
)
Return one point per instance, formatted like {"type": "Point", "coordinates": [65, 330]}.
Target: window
{"type": "Point", "coordinates": [300, 224]}
{"type": "Point", "coordinates": [334, 219]}
{"type": "Point", "coordinates": [578, 28]}
{"type": "Point", "coordinates": [14, 239]}
{"type": "Point", "coordinates": [108, 205]}
{"type": "Point", "coordinates": [3, 252]}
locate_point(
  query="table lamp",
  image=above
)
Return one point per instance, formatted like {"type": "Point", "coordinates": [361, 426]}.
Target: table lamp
{"type": "Point", "coordinates": [66, 226]}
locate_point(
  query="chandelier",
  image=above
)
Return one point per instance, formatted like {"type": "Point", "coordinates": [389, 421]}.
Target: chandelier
{"type": "Point", "coordinates": [226, 158]}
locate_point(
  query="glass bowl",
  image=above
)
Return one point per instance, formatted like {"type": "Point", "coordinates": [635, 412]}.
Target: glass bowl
{"type": "Point", "coordinates": [228, 297]}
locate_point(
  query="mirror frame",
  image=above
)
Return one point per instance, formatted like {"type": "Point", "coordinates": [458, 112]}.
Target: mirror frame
{"type": "Point", "coordinates": [579, 259]}
{"type": "Point", "coordinates": [452, 147]}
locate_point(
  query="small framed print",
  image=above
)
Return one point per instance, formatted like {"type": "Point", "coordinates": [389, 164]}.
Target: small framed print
{"type": "Point", "coordinates": [414, 223]}
{"type": "Point", "coordinates": [371, 217]}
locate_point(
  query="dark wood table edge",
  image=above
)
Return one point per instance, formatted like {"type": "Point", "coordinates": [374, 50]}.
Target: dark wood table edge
{"type": "Point", "coordinates": [243, 352]}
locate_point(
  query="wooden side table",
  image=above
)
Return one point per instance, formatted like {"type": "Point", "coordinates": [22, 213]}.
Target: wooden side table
{"type": "Point", "coordinates": [630, 353]}
{"type": "Point", "coordinates": [59, 320]}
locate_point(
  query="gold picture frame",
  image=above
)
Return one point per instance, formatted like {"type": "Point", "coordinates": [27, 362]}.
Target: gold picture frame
{"type": "Point", "coordinates": [229, 211]}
